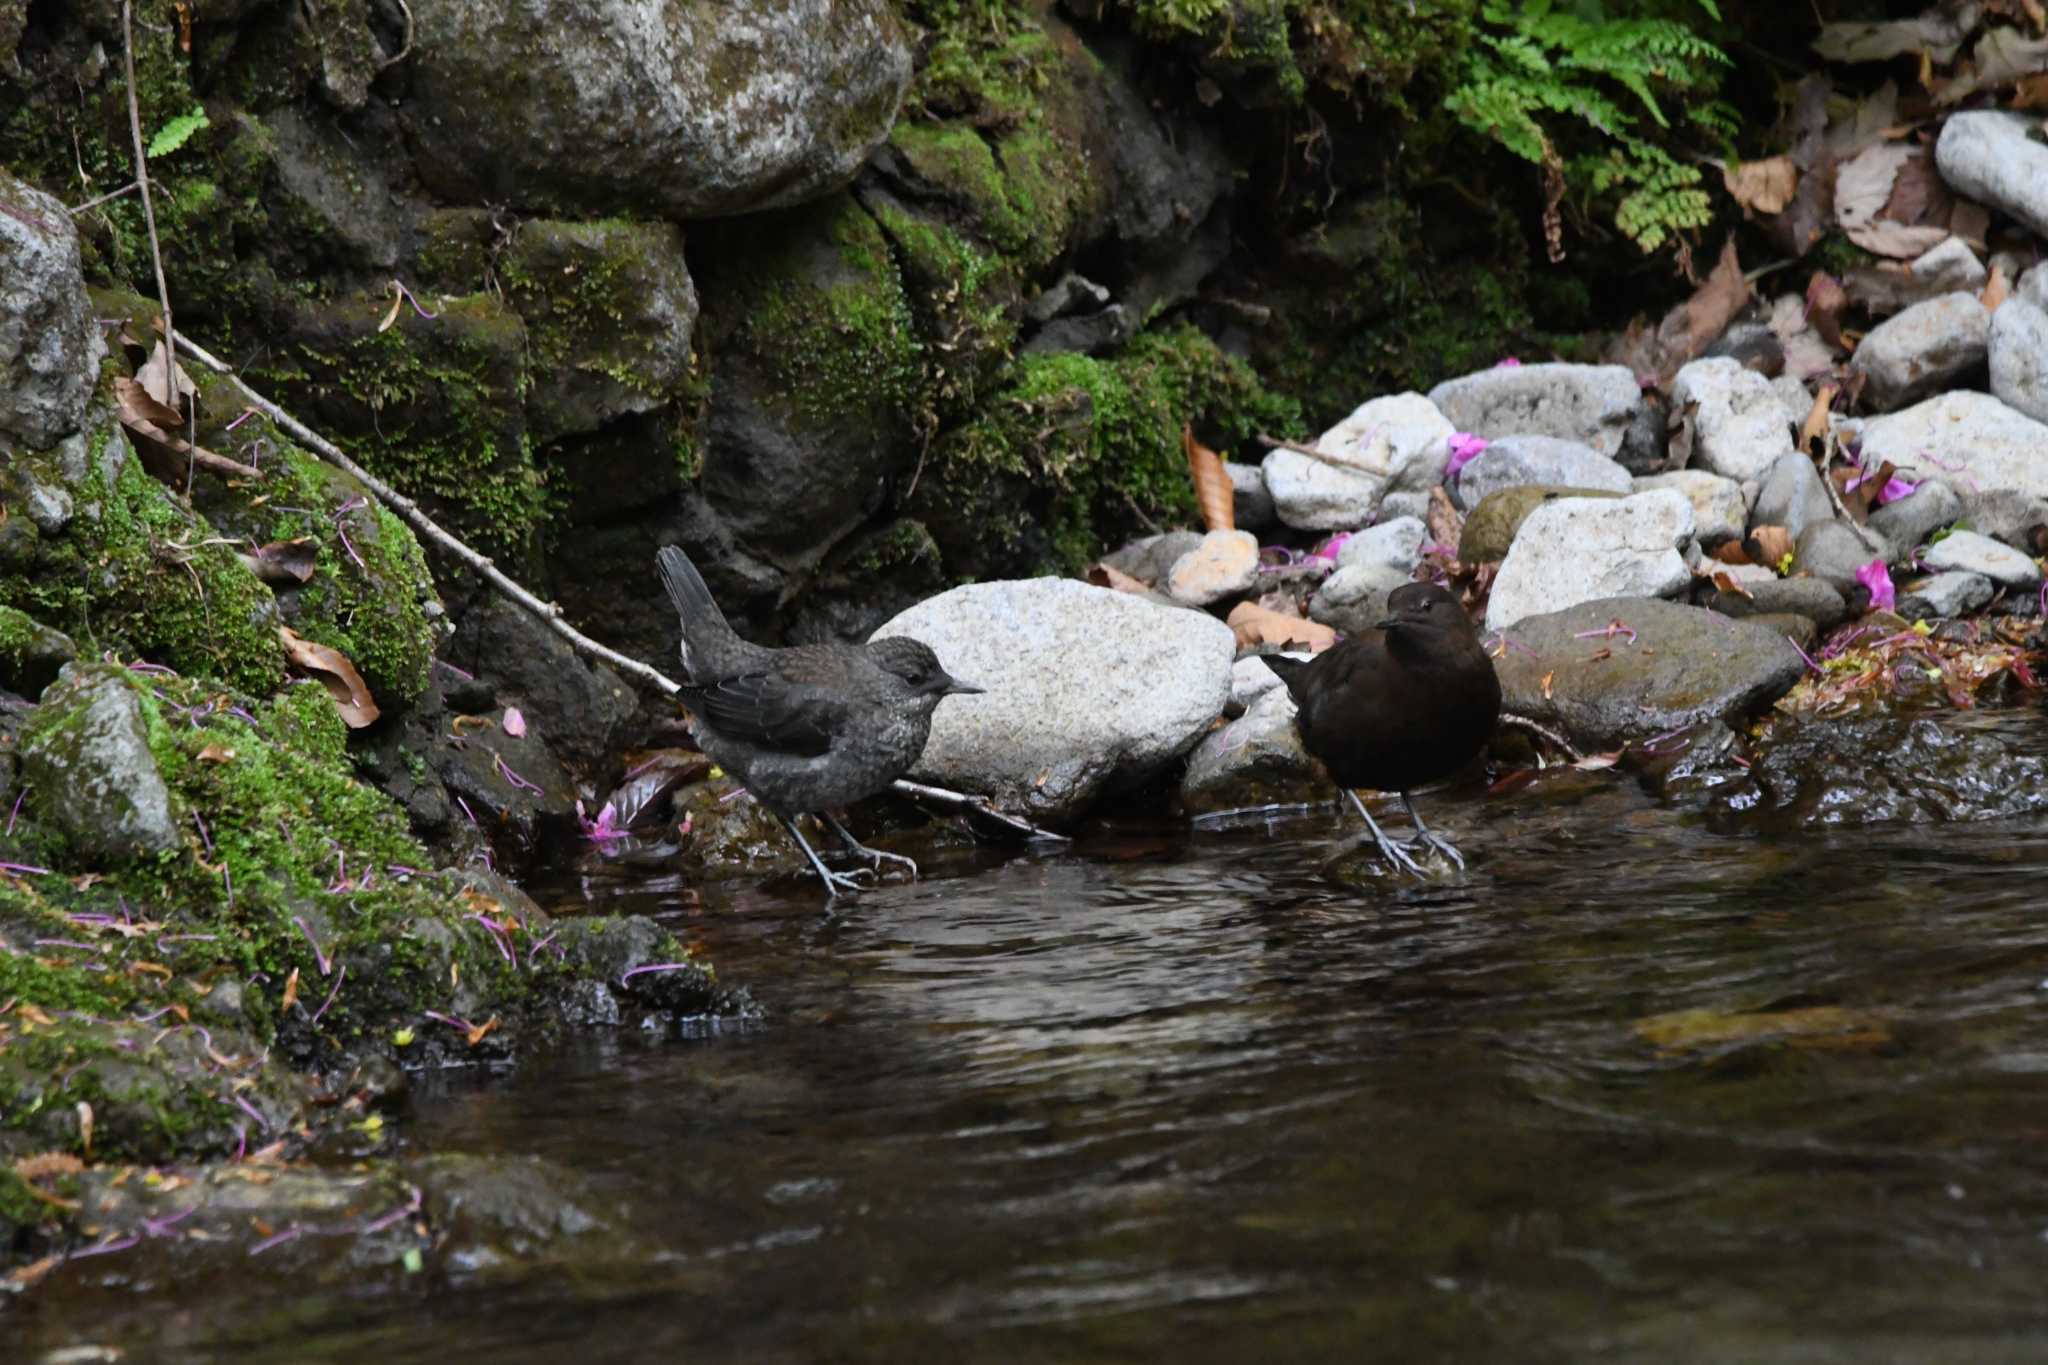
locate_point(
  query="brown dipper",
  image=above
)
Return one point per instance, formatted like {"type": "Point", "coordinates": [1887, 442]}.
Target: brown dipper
{"type": "Point", "coordinates": [1410, 701]}
{"type": "Point", "coordinates": [807, 728]}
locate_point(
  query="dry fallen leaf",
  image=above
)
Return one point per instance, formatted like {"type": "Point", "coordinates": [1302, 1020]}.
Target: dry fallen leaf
{"type": "Point", "coordinates": [1995, 288]}
{"type": "Point", "coordinates": [1774, 546]}
{"type": "Point", "coordinates": [1813, 432]}
{"type": "Point", "coordinates": [1728, 582]}
{"type": "Point", "coordinates": [1765, 186]}
{"type": "Point", "coordinates": [216, 752]}
{"type": "Point", "coordinates": [45, 1165]}
{"type": "Point", "coordinates": [1104, 576]}
{"type": "Point", "coordinates": [1548, 678]}
{"type": "Point", "coordinates": [334, 672]}
{"type": "Point", "coordinates": [155, 379]}
{"type": "Point", "coordinates": [1825, 301]}
{"type": "Point", "coordinates": [1256, 625]}
{"type": "Point", "coordinates": [1214, 493]}
{"type": "Point", "coordinates": [285, 561]}
{"type": "Point", "coordinates": [291, 990]}
{"type": "Point", "coordinates": [479, 1032]}
{"type": "Point", "coordinates": [152, 428]}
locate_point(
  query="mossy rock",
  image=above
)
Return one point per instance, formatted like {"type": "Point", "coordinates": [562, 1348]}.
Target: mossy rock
{"type": "Point", "coordinates": [30, 653]}
{"type": "Point", "coordinates": [817, 371]}
{"type": "Point", "coordinates": [439, 400]}
{"type": "Point", "coordinates": [609, 308]}
{"type": "Point", "coordinates": [137, 573]}
{"type": "Point", "coordinates": [1085, 449]}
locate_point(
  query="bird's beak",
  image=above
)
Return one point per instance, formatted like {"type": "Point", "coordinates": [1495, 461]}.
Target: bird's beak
{"type": "Point", "coordinates": [956, 687]}
{"type": "Point", "coordinates": [1387, 624]}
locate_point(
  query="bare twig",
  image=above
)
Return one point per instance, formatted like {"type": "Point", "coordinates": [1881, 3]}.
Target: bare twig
{"type": "Point", "coordinates": [550, 614]}
{"type": "Point", "coordinates": [1355, 466]}
{"type": "Point", "coordinates": [405, 49]}
{"type": "Point", "coordinates": [156, 252]}
{"type": "Point", "coordinates": [1544, 731]}
{"type": "Point", "coordinates": [89, 204]}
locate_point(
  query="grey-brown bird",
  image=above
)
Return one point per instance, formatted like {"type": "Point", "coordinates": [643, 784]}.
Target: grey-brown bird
{"type": "Point", "coordinates": [1408, 702]}
{"type": "Point", "coordinates": [807, 729]}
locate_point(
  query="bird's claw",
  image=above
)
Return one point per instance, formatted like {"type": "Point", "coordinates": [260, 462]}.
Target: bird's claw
{"type": "Point", "coordinates": [1443, 846]}
{"type": "Point", "coordinates": [842, 883]}
{"type": "Point", "coordinates": [1396, 852]}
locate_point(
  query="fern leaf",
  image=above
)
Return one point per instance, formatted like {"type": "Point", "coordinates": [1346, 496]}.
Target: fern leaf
{"type": "Point", "coordinates": [177, 132]}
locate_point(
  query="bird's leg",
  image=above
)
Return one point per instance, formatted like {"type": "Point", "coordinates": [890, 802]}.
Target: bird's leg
{"type": "Point", "coordinates": [1429, 837]}
{"type": "Point", "coordinates": [835, 882]}
{"type": "Point", "coordinates": [1390, 849]}
{"type": "Point", "coordinates": [875, 856]}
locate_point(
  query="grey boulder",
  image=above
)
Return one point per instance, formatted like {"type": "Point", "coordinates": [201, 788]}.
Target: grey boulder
{"type": "Point", "coordinates": [1088, 690]}
{"type": "Point", "coordinates": [1521, 460]}
{"type": "Point", "coordinates": [1372, 564]}
{"type": "Point", "coordinates": [1946, 595]}
{"type": "Point", "coordinates": [2019, 357]}
{"type": "Point", "coordinates": [1394, 445]}
{"type": "Point", "coordinates": [1923, 350]}
{"type": "Point", "coordinates": [1990, 452]}
{"type": "Point", "coordinates": [1579, 549]}
{"type": "Point", "coordinates": [687, 108]}
{"type": "Point", "coordinates": [1684, 665]}
{"type": "Point", "coordinates": [1728, 420]}
{"type": "Point", "coordinates": [1718, 511]}
{"type": "Point", "coordinates": [1791, 496]}
{"type": "Point", "coordinates": [50, 347]}
{"type": "Point", "coordinates": [1257, 760]}
{"type": "Point", "coordinates": [1970, 552]}
{"type": "Point", "coordinates": [1600, 406]}
{"type": "Point", "coordinates": [1994, 158]}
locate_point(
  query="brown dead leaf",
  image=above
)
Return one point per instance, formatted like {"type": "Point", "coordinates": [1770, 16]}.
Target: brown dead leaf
{"type": "Point", "coordinates": [1255, 625]}
{"type": "Point", "coordinates": [152, 428]}
{"type": "Point", "coordinates": [478, 1032]}
{"type": "Point", "coordinates": [2031, 92]}
{"type": "Point", "coordinates": [1714, 305]}
{"type": "Point", "coordinates": [1446, 523]}
{"type": "Point", "coordinates": [156, 379]}
{"type": "Point", "coordinates": [1548, 678]}
{"type": "Point", "coordinates": [1727, 582]}
{"type": "Point", "coordinates": [34, 1015]}
{"type": "Point", "coordinates": [1937, 33]}
{"type": "Point", "coordinates": [284, 561]}
{"type": "Point", "coordinates": [1883, 237]}
{"type": "Point", "coordinates": [216, 752]}
{"type": "Point", "coordinates": [1863, 185]}
{"type": "Point", "coordinates": [1107, 576]}
{"type": "Point", "coordinates": [1970, 221]}
{"type": "Point", "coordinates": [1765, 186]}
{"type": "Point", "coordinates": [48, 1165]}
{"type": "Point", "coordinates": [1770, 546]}
{"type": "Point", "coordinates": [1825, 300]}
{"type": "Point", "coordinates": [291, 990]}
{"type": "Point", "coordinates": [334, 672]}
{"type": "Point", "coordinates": [1813, 432]}
{"type": "Point", "coordinates": [1214, 493]}
{"type": "Point", "coordinates": [32, 1274]}
{"type": "Point", "coordinates": [1995, 288]}
{"type": "Point", "coordinates": [1918, 197]}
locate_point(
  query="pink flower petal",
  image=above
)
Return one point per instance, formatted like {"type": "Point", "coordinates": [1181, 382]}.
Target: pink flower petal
{"type": "Point", "coordinates": [1876, 577]}
{"type": "Point", "coordinates": [515, 724]}
{"type": "Point", "coordinates": [1507, 362]}
{"type": "Point", "coordinates": [1894, 489]}
{"type": "Point", "coordinates": [1465, 448]}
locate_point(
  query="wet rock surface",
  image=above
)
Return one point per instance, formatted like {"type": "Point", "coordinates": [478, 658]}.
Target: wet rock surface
{"type": "Point", "coordinates": [1256, 760]}
{"type": "Point", "coordinates": [49, 344]}
{"type": "Point", "coordinates": [1686, 665]}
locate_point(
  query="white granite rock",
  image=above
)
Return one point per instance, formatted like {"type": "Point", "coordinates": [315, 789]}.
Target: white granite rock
{"type": "Point", "coordinates": [1574, 550]}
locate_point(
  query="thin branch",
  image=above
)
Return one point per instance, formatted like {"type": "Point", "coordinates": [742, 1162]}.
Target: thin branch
{"type": "Point", "coordinates": [974, 807]}
{"type": "Point", "coordinates": [1355, 466]}
{"type": "Point", "coordinates": [1534, 728]}
{"type": "Point", "coordinates": [404, 49]}
{"type": "Point", "coordinates": [128, 188]}
{"type": "Point", "coordinates": [156, 253]}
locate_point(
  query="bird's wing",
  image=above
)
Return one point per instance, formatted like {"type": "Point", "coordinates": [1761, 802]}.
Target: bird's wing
{"type": "Point", "coordinates": [772, 710]}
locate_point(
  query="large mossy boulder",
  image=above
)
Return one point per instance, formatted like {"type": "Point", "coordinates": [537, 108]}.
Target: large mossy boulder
{"type": "Point", "coordinates": [692, 108]}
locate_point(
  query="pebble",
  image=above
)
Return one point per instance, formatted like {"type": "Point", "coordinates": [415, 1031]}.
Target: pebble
{"type": "Point", "coordinates": [1223, 565]}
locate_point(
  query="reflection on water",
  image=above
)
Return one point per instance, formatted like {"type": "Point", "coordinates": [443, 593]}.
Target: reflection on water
{"type": "Point", "coordinates": [1186, 1094]}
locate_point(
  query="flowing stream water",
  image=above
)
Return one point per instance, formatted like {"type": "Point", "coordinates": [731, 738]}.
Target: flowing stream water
{"type": "Point", "coordinates": [1194, 1094]}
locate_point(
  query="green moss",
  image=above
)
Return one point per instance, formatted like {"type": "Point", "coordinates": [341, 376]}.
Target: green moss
{"type": "Point", "coordinates": [149, 579]}
{"type": "Point", "coordinates": [441, 399]}
{"type": "Point", "coordinates": [839, 339]}
{"type": "Point", "coordinates": [1092, 446]}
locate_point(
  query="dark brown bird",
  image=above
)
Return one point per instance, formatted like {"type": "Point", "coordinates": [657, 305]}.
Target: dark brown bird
{"type": "Point", "coordinates": [809, 728]}
{"type": "Point", "coordinates": [1410, 701]}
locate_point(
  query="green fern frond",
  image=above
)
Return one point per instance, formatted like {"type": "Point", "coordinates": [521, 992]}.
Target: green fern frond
{"type": "Point", "coordinates": [177, 133]}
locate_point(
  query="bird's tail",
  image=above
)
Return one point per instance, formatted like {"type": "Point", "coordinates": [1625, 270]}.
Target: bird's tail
{"type": "Point", "coordinates": [1289, 671]}
{"type": "Point", "coordinates": [706, 636]}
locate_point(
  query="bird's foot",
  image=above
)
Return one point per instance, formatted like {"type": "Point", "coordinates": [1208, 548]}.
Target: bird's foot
{"type": "Point", "coordinates": [1430, 840]}
{"type": "Point", "coordinates": [876, 857]}
{"type": "Point", "coordinates": [1396, 851]}
{"type": "Point", "coordinates": [844, 883]}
